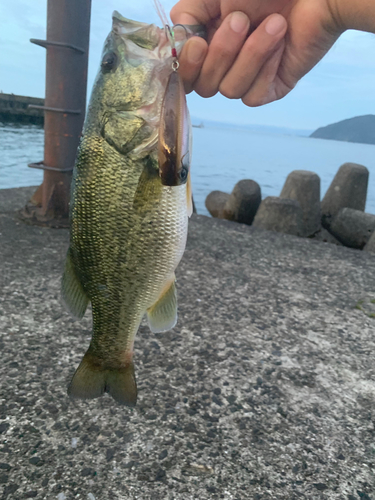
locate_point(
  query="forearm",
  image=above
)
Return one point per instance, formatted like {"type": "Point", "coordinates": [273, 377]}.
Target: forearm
{"type": "Point", "coordinates": [354, 14]}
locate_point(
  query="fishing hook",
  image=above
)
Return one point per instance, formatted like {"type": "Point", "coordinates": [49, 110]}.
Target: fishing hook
{"type": "Point", "coordinates": [171, 38]}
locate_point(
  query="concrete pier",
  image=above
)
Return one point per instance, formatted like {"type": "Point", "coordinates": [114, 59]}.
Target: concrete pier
{"type": "Point", "coordinates": [265, 389]}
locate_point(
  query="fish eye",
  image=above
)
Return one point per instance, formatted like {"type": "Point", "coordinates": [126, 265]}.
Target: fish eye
{"type": "Point", "coordinates": [183, 173]}
{"type": "Point", "coordinates": [109, 62]}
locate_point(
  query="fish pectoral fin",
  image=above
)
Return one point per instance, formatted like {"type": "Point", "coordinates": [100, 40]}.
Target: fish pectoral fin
{"type": "Point", "coordinates": [162, 316]}
{"type": "Point", "coordinates": [91, 380]}
{"type": "Point", "coordinates": [149, 187]}
{"type": "Point", "coordinates": [189, 196]}
{"type": "Point", "coordinates": [72, 291]}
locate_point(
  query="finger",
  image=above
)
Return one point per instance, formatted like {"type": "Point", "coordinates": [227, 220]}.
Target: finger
{"type": "Point", "coordinates": [195, 11]}
{"type": "Point", "coordinates": [191, 59]}
{"type": "Point", "coordinates": [268, 86]}
{"type": "Point", "coordinates": [256, 51]}
{"type": "Point", "coordinates": [222, 52]}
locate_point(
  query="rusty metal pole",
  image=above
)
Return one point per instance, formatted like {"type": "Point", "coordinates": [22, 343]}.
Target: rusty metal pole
{"type": "Point", "coordinates": [67, 44]}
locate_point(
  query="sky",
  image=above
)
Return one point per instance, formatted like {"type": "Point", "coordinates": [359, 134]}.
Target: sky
{"type": "Point", "coordinates": [340, 86]}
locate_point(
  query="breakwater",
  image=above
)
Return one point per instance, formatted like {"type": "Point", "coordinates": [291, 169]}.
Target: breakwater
{"type": "Point", "coordinates": [15, 109]}
{"type": "Point", "coordinates": [338, 219]}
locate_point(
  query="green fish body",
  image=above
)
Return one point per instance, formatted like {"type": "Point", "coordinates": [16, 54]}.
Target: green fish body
{"type": "Point", "coordinates": [128, 230]}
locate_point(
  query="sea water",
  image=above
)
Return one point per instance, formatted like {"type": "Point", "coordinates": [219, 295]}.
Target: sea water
{"type": "Point", "coordinates": [19, 146]}
{"type": "Point", "coordinates": [221, 157]}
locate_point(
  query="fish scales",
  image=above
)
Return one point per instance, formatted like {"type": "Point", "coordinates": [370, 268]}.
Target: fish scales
{"type": "Point", "coordinates": [128, 230]}
{"type": "Point", "coordinates": [124, 273]}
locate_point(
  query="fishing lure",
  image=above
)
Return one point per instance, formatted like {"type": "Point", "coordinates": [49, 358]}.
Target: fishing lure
{"type": "Point", "coordinates": [175, 127]}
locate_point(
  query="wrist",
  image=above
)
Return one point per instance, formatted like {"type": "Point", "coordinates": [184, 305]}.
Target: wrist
{"type": "Point", "coordinates": [353, 14]}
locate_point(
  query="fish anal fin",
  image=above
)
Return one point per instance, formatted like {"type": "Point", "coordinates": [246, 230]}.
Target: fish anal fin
{"type": "Point", "coordinates": [72, 291]}
{"type": "Point", "coordinates": [92, 379]}
{"type": "Point", "coordinates": [162, 316]}
{"type": "Point", "coordinates": [189, 196]}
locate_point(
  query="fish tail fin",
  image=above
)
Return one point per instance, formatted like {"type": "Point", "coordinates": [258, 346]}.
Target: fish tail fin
{"type": "Point", "coordinates": [88, 382]}
{"type": "Point", "coordinates": [122, 386]}
{"type": "Point", "coordinates": [91, 380]}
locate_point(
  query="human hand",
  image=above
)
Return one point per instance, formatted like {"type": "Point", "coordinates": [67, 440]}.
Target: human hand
{"type": "Point", "coordinates": [258, 50]}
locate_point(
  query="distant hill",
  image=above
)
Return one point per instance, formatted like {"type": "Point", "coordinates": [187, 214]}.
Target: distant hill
{"type": "Point", "coordinates": [358, 129]}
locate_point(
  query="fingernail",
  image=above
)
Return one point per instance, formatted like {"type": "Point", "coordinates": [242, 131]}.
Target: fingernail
{"type": "Point", "coordinates": [239, 22]}
{"type": "Point", "coordinates": [275, 25]}
{"type": "Point", "coordinates": [195, 52]}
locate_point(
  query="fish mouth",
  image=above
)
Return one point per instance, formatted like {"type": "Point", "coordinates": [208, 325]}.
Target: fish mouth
{"type": "Point", "coordinates": [151, 36]}
{"type": "Point", "coordinates": [144, 35]}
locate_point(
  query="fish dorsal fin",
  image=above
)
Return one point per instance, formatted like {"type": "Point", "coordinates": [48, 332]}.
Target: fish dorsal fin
{"type": "Point", "coordinates": [189, 196]}
{"type": "Point", "coordinates": [162, 316]}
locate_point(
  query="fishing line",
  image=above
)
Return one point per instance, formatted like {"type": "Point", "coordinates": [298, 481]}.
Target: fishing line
{"type": "Point", "coordinates": [171, 39]}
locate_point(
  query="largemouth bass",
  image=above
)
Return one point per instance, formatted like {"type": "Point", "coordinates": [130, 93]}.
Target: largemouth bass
{"type": "Point", "coordinates": [128, 229]}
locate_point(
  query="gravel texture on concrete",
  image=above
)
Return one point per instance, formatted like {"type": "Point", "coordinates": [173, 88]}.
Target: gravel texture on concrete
{"type": "Point", "coordinates": [265, 389]}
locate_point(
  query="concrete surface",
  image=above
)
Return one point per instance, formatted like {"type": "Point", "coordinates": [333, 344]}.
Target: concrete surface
{"type": "Point", "coordinates": [264, 390]}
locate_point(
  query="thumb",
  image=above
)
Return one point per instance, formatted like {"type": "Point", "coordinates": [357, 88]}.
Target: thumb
{"type": "Point", "coordinates": [195, 11]}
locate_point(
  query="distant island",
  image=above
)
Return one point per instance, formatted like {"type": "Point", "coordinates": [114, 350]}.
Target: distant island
{"type": "Point", "coordinates": [358, 129]}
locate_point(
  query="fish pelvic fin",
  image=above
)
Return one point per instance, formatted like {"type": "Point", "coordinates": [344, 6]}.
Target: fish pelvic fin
{"type": "Point", "coordinates": [91, 380]}
{"type": "Point", "coordinates": [72, 291]}
{"type": "Point", "coordinates": [162, 316]}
